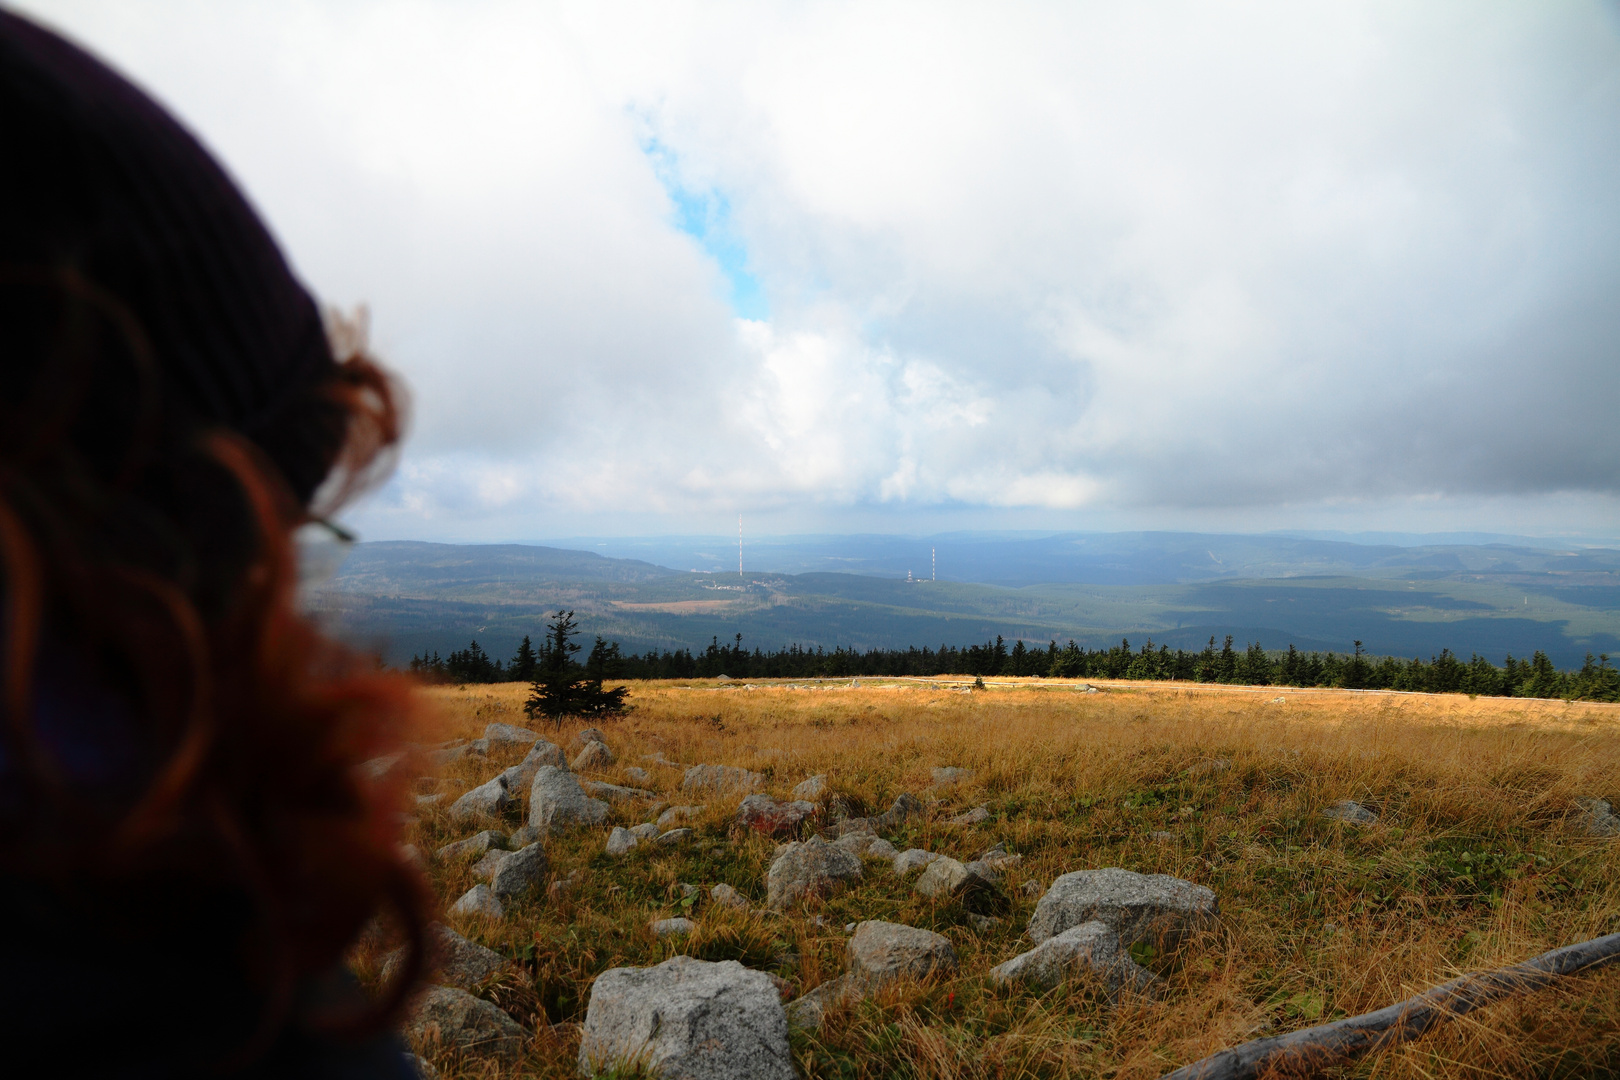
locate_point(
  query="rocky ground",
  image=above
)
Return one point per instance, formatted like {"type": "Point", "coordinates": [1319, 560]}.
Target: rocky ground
{"type": "Point", "coordinates": [875, 881]}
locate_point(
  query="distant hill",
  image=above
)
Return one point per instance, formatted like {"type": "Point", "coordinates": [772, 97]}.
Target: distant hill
{"type": "Point", "coordinates": [1180, 589]}
{"type": "Point", "coordinates": [1137, 558]}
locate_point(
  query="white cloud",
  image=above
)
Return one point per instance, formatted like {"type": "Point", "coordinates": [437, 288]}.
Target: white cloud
{"type": "Point", "coordinates": [1156, 262]}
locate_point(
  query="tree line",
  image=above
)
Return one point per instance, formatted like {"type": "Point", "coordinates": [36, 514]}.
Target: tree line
{"type": "Point", "coordinates": [1596, 679]}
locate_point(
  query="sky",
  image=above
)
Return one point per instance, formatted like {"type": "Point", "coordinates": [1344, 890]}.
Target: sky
{"type": "Point", "coordinates": [907, 268]}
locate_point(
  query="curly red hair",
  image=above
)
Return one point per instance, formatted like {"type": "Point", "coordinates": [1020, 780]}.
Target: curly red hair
{"type": "Point", "coordinates": [151, 559]}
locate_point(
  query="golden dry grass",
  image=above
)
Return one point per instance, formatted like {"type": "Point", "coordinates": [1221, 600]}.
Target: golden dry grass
{"type": "Point", "coordinates": [1477, 860]}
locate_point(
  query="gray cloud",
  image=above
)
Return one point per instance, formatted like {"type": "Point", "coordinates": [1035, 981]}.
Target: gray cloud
{"type": "Point", "coordinates": [1073, 265]}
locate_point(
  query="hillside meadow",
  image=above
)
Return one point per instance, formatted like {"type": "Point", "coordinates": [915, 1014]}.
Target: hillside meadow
{"type": "Point", "coordinates": [1478, 858]}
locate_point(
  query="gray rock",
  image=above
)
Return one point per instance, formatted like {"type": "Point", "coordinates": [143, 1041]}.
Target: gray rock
{"type": "Point", "coordinates": [479, 900]}
{"type": "Point", "coordinates": [881, 849]}
{"type": "Point", "coordinates": [621, 840]}
{"type": "Point", "coordinates": [982, 923]}
{"type": "Point", "coordinates": [1091, 946]}
{"type": "Point", "coordinates": [546, 753]}
{"type": "Point", "coordinates": [585, 736]}
{"type": "Point", "coordinates": [881, 952]}
{"type": "Point", "coordinates": [688, 891]}
{"type": "Point", "coordinates": [486, 800]}
{"type": "Point", "coordinates": [998, 857]}
{"type": "Point", "coordinates": [491, 862]}
{"type": "Point", "coordinates": [972, 817]}
{"type": "Point", "coordinates": [645, 831]}
{"type": "Point", "coordinates": [425, 801]}
{"type": "Point", "coordinates": [421, 1067]}
{"type": "Point", "coordinates": [525, 836]}
{"type": "Point", "coordinates": [905, 806]}
{"type": "Point", "coordinates": [520, 873]}
{"type": "Point", "coordinates": [1031, 887]}
{"type": "Point", "coordinates": [945, 877]}
{"type": "Point", "coordinates": [675, 836]}
{"type": "Point", "coordinates": [518, 777]}
{"type": "Point", "coordinates": [912, 859]}
{"type": "Point", "coordinates": [687, 1019]}
{"type": "Point", "coordinates": [613, 792]}
{"type": "Point", "coordinates": [479, 747]}
{"type": "Point", "coordinates": [638, 774]}
{"type": "Point", "coordinates": [1598, 818]}
{"type": "Point", "coordinates": [499, 735]}
{"type": "Point", "coordinates": [450, 755]}
{"type": "Point", "coordinates": [720, 778]}
{"type": "Point", "coordinates": [765, 815]}
{"type": "Point", "coordinates": [857, 843]}
{"type": "Point", "coordinates": [812, 788]}
{"type": "Point", "coordinates": [1351, 812]}
{"type": "Point", "coordinates": [596, 755]}
{"type": "Point", "coordinates": [557, 801]}
{"type": "Point", "coordinates": [669, 818]}
{"type": "Point", "coordinates": [455, 1020]}
{"type": "Point", "coordinates": [451, 960]}
{"type": "Point", "coordinates": [671, 927]}
{"type": "Point", "coordinates": [985, 871]}
{"type": "Point", "coordinates": [951, 775]}
{"type": "Point", "coordinates": [813, 867]}
{"type": "Point", "coordinates": [809, 1011]}
{"type": "Point", "coordinates": [725, 894]}
{"type": "Point", "coordinates": [1137, 907]}
{"type": "Point", "coordinates": [476, 844]}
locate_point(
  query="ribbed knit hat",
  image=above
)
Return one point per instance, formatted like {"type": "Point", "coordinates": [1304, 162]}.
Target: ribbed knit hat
{"type": "Point", "coordinates": [98, 179]}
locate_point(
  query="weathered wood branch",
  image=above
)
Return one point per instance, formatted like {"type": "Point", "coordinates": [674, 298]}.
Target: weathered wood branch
{"type": "Point", "coordinates": [1301, 1053]}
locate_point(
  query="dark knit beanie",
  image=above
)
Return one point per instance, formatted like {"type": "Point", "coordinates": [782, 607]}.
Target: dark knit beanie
{"type": "Point", "coordinates": [99, 181]}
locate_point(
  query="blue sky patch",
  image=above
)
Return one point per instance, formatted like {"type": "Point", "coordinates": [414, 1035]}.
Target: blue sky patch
{"type": "Point", "coordinates": [706, 217]}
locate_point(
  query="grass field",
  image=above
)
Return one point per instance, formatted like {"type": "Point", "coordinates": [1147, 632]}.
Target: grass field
{"type": "Point", "coordinates": [1477, 860]}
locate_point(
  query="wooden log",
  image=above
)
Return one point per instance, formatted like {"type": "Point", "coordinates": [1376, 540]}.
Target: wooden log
{"type": "Point", "coordinates": [1304, 1052]}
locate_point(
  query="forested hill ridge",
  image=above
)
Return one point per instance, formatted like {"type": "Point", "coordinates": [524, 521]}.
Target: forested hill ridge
{"type": "Point", "coordinates": [407, 599]}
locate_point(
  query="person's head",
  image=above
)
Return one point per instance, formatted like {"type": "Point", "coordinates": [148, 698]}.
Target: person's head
{"type": "Point", "coordinates": [171, 409]}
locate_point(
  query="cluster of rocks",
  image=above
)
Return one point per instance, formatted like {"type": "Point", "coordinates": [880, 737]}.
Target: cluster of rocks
{"type": "Point", "coordinates": [692, 1017]}
{"type": "Point", "coordinates": [558, 798]}
{"type": "Point", "coordinates": [688, 1017]}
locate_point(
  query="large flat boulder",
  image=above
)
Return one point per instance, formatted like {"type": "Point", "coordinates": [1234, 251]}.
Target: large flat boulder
{"type": "Point", "coordinates": [557, 801]}
{"type": "Point", "coordinates": [1092, 947]}
{"type": "Point", "coordinates": [881, 952]}
{"type": "Point", "coordinates": [687, 1019]}
{"type": "Point", "coordinates": [1138, 907]}
{"type": "Point", "coordinates": [809, 868]}
{"type": "Point", "coordinates": [451, 959]}
{"type": "Point", "coordinates": [455, 1020]}
{"type": "Point", "coordinates": [764, 814]}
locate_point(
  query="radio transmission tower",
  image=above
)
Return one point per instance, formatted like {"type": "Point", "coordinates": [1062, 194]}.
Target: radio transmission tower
{"type": "Point", "coordinates": [739, 545]}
